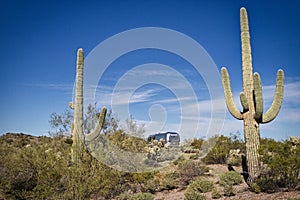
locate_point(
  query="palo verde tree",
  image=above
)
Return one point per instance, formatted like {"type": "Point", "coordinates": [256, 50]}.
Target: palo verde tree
{"type": "Point", "coordinates": [251, 100]}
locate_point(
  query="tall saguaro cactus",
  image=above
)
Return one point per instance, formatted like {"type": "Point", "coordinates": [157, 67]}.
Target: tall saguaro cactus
{"type": "Point", "coordinates": [78, 135]}
{"type": "Point", "coordinates": [251, 100]}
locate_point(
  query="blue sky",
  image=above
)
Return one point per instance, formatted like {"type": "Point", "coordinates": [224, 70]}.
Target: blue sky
{"type": "Point", "coordinates": [39, 40]}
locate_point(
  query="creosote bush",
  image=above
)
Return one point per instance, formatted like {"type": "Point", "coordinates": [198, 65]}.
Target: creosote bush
{"type": "Point", "coordinates": [215, 194]}
{"type": "Point", "coordinates": [42, 169]}
{"type": "Point", "coordinates": [198, 186]}
{"type": "Point", "coordinates": [136, 196]}
{"type": "Point", "coordinates": [230, 178]}
{"type": "Point", "coordinates": [201, 185]}
{"type": "Point", "coordinates": [228, 190]}
{"type": "Point", "coordinates": [127, 142]}
{"type": "Point", "coordinates": [193, 195]}
{"type": "Point", "coordinates": [189, 169]}
{"type": "Point", "coordinates": [281, 166]}
{"type": "Point", "coordinates": [220, 152]}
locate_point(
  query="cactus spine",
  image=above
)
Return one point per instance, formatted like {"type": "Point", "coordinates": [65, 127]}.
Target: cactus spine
{"type": "Point", "coordinates": [78, 128]}
{"type": "Point", "coordinates": [251, 100]}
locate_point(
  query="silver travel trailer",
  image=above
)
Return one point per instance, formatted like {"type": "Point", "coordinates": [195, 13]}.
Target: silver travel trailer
{"type": "Point", "coordinates": [171, 137]}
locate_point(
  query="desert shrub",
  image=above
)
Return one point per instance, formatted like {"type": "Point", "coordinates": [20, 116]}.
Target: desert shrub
{"type": "Point", "coordinates": [153, 185]}
{"type": "Point", "coordinates": [218, 154]}
{"type": "Point", "coordinates": [169, 182]}
{"type": "Point", "coordinates": [160, 182]}
{"type": "Point", "coordinates": [193, 146]}
{"type": "Point", "coordinates": [140, 178]}
{"type": "Point", "coordinates": [264, 184]}
{"type": "Point", "coordinates": [17, 178]}
{"type": "Point", "coordinates": [123, 196]}
{"type": "Point", "coordinates": [190, 169]}
{"type": "Point", "coordinates": [201, 185]}
{"type": "Point", "coordinates": [142, 196]}
{"type": "Point", "coordinates": [189, 149]}
{"type": "Point", "coordinates": [180, 159]}
{"type": "Point", "coordinates": [230, 178]}
{"type": "Point", "coordinates": [136, 196]}
{"type": "Point", "coordinates": [282, 161]}
{"type": "Point", "coordinates": [140, 182]}
{"type": "Point", "coordinates": [215, 194]}
{"type": "Point", "coordinates": [127, 142]}
{"type": "Point", "coordinates": [254, 187]}
{"type": "Point", "coordinates": [194, 157]}
{"type": "Point", "coordinates": [196, 143]}
{"type": "Point", "coordinates": [234, 158]}
{"type": "Point", "coordinates": [197, 187]}
{"type": "Point", "coordinates": [228, 190]}
{"type": "Point", "coordinates": [42, 170]}
{"type": "Point", "coordinates": [191, 194]}
{"type": "Point", "coordinates": [167, 154]}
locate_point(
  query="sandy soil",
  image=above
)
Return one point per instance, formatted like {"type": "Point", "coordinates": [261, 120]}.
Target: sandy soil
{"type": "Point", "coordinates": [242, 192]}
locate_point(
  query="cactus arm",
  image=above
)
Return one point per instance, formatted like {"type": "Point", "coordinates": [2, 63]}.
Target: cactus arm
{"type": "Point", "coordinates": [99, 126]}
{"type": "Point", "coordinates": [277, 101]}
{"type": "Point", "coordinates": [258, 99]}
{"type": "Point", "coordinates": [244, 102]}
{"type": "Point", "coordinates": [228, 95]}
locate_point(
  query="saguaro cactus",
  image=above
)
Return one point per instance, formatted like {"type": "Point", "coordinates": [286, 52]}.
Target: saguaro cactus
{"type": "Point", "coordinates": [251, 100]}
{"type": "Point", "coordinates": [78, 135]}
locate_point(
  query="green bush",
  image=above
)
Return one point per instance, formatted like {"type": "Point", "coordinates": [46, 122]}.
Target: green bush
{"type": "Point", "coordinates": [196, 143]}
{"type": "Point", "coordinates": [198, 186]}
{"type": "Point", "coordinates": [41, 169]}
{"type": "Point", "coordinates": [219, 153]}
{"type": "Point", "coordinates": [127, 142]}
{"type": "Point", "coordinates": [179, 160]}
{"type": "Point", "coordinates": [282, 161]}
{"type": "Point", "coordinates": [201, 185]}
{"type": "Point", "coordinates": [228, 191]}
{"type": "Point", "coordinates": [230, 178]}
{"type": "Point", "coordinates": [191, 194]}
{"type": "Point", "coordinates": [194, 157]}
{"type": "Point", "coordinates": [190, 169]}
{"type": "Point", "coordinates": [254, 187]}
{"type": "Point", "coordinates": [141, 196]}
{"type": "Point", "coordinates": [215, 194]}
{"type": "Point", "coordinates": [169, 183]}
{"type": "Point", "coordinates": [135, 196]}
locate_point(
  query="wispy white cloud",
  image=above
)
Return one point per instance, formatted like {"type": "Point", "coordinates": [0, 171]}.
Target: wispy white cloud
{"type": "Point", "coordinates": [195, 114]}
{"type": "Point", "coordinates": [291, 92]}
{"type": "Point", "coordinates": [67, 87]}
